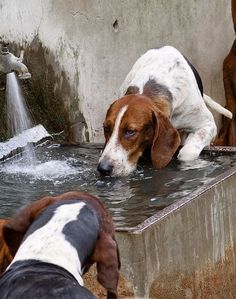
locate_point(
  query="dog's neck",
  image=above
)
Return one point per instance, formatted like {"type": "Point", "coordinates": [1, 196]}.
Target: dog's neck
{"type": "Point", "coordinates": [158, 93]}
{"type": "Point", "coordinates": [58, 241]}
{"type": "Point", "coordinates": [163, 105]}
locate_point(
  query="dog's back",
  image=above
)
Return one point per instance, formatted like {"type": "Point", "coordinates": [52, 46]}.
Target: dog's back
{"type": "Point", "coordinates": [53, 254]}
{"type": "Point", "coordinates": [33, 280]}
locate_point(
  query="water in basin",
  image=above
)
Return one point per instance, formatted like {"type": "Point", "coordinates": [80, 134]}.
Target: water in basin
{"type": "Point", "coordinates": [130, 199]}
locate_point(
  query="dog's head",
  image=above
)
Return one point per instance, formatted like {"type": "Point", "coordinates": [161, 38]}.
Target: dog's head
{"type": "Point", "coordinates": [105, 253]}
{"type": "Point", "coordinates": [134, 123]}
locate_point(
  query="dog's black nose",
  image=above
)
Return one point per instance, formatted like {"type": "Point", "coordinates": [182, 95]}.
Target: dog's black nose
{"type": "Point", "coordinates": [105, 167]}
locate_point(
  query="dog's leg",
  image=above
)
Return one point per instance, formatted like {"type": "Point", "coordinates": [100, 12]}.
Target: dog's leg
{"type": "Point", "coordinates": [196, 141]}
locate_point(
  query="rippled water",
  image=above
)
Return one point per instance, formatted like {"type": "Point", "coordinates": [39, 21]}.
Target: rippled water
{"type": "Point", "coordinates": [131, 199]}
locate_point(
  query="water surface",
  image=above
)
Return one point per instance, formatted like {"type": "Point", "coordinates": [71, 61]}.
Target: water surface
{"type": "Point", "coordinates": [131, 199]}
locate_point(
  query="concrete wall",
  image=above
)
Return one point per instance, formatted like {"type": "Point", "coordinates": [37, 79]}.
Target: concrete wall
{"type": "Point", "coordinates": [93, 44]}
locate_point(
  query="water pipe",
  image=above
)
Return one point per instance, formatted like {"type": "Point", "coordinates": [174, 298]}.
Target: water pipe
{"type": "Point", "coordinates": [10, 63]}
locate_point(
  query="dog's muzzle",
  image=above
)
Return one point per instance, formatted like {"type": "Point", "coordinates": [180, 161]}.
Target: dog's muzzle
{"type": "Point", "coordinates": [105, 167]}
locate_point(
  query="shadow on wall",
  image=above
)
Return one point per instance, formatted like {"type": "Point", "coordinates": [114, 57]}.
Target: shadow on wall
{"type": "Point", "coordinates": [49, 95]}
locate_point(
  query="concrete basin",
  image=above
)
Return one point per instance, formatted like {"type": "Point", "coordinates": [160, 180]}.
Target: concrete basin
{"type": "Point", "coordinates": [186, 250]}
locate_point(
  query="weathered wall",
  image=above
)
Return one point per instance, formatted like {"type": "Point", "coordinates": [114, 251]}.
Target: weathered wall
{"type": "Point", "coordinates": [91, 45]}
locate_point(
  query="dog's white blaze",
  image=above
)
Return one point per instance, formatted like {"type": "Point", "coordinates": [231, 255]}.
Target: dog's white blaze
{"type": "Point", "coordinates": [48, 243]}
{"type": "Point", "coordinates": [115, 152]}
{"type": "Point", "coordinates": [113, 142]}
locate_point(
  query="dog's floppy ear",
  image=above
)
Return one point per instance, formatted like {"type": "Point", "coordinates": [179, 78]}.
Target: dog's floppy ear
{"type": "Point", "coordinates": [5, 255]}
{"type": "Point", "coordinates": [165, 141]}
{"type": "Point", "coordinates": [106, 255]}
{"type": "Point", "coordinates": [15, 229]}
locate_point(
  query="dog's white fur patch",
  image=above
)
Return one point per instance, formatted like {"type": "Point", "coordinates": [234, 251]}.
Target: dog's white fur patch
{"type": "Point", "coordinates": [48, 243]}
{"type": "Point", "coordinates": [115, 152]}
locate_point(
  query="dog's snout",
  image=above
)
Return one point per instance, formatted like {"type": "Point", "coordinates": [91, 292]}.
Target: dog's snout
{"type": "Point", "coordinates": [105, 167]}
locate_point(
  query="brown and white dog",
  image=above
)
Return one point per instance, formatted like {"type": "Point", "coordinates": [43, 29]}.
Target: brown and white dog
{"type": "Point", "coordinates": [54, 241]}
{"type": "Point", "coordinates": [161, 96]}
{"type": "Point", "coordinates": [227, 133]}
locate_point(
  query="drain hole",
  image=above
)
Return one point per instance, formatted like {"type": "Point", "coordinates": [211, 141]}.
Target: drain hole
{"type": "Point", "coordinates": [115, 25]}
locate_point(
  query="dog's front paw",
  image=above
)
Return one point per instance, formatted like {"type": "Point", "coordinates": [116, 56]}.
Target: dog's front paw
{"type": "Point", "coordinates": [189, 152]}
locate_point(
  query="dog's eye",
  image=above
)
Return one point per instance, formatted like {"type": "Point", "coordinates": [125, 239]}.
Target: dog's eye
{"type": "Point", "coordinates": [129, 133]}
{"type": "Point", "coordinates": [106, 129]}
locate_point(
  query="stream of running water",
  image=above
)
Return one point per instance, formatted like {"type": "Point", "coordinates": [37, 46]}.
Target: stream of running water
{"type": "Point", "coordinates": [18, 115]}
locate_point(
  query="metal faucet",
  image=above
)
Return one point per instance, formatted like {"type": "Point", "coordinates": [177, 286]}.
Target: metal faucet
{"type": "Point", "coordinates": [10, 63]}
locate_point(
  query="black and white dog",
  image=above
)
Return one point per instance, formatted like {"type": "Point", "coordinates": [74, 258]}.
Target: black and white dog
{"type": "Point", "coordinates": [63, 237]}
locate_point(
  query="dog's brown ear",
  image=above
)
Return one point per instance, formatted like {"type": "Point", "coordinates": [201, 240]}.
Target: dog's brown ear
{"type": "Point", "coordinates": [16, 227]}
{"type": "Point", "coordinates": [107, 257]}
{"type": "Point", "coordinates": [12, 238]}
{"type": "Point", "coordinates": [5, 255]}
{"type": "Point", "coordinates": [166, 140]}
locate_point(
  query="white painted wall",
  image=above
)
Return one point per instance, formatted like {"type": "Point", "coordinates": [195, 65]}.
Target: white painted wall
{"type": "Point", "coordinates": [81, 36]}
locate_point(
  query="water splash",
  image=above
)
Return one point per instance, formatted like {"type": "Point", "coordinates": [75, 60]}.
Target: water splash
{"type": "Point", "coordinates": [14, 145]}
{"type": "Point", "coordinates": [47, 171]}
{"type": "Point", "coordinates": [18, 116]}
